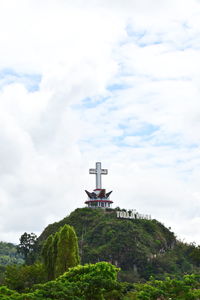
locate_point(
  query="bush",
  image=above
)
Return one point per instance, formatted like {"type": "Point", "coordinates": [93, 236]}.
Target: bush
{"type": "Point", "coordinates": [89, 282]}
{"type": "Point", "coordinates": [20, 278]}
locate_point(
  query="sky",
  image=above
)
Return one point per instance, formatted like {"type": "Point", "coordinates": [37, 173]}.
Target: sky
{"type": "Point", "coordinates": [113, 81]}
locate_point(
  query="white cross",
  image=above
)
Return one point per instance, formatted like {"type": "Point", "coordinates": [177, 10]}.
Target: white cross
{"type": "Point", "coordinates": [98, 171]}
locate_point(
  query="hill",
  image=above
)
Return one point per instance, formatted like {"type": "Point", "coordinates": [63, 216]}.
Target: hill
{"type": "Point", "coordinates": [140, 247]}
{"type": "Point", "coordinates": [9, 255]}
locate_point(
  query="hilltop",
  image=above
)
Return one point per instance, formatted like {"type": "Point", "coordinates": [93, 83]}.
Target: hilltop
{"type": "Point", "coordinates": [140, 247]}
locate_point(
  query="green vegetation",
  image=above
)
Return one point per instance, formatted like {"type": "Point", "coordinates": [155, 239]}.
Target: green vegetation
{"type": "Point", "coordinates": [187, 288]}
{"type": "Point", "coordinates": [60, 252]}
{"type": "Point", "coordinates": [8, 256]}
{"type": "Point", "coordinates": [119, 256]}
{"type": "Point", "coordinates": [27, 247]}
{"type": "Point", "coordinates": [141, 248]}
{"type": "Point", "coordinates": [99, 282]}
{"type": "Point", "coordinates": [89, 282]}
{"type": "Point", "coordinates": [21, 277]}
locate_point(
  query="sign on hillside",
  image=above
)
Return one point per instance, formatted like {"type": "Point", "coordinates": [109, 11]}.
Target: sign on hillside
{"type": "Point", "coordinates": [132, 214]}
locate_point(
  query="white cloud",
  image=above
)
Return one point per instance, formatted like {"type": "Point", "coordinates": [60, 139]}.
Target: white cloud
{"type": "Point", "coordinates": [146, 131]}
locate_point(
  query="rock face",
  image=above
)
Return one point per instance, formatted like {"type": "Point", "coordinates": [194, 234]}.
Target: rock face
{"type": "Point", "coordinates": [140, 247]}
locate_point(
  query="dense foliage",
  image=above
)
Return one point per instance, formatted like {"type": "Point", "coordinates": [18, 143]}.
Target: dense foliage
{"type": "Point", "coordinates": [27, 247]}
{"type": "Point", "coordinates": [8, 256]}
{"type": "Point", "coordinates": [141, 248]}
{"type": "Point", "coordinates": [187, 288]}
{"type": "Point", "coordinates": [99, 282]}
{"type": "Point", "coordinates": [21, 277]}
{"type": "Point", "coordinates": [60, 252]}
{"type": "Point", "coordinates": [89, 282]}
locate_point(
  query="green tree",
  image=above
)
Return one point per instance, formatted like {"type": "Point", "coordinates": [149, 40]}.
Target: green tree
{"type": "Point", "coordinates": [95, 281]}
{"type": "Point", "coordinates": [67, 250]}
{"type": "Point", "coordinates": [47, 253]}
{"type": "Point", "coordinates": [21, 277]}
{"type": "Point", "coordinates": [55, 251]}
{"type": "Point", "coordinates": [27, 247]}
{"type": "Point", "coordinates": [89, 282]}
{"type": "Point", "coordinates": [60, 252]}
{"type": "Point", "coordinates": [195, 255]}
{"type": "Point", "coordinates": [187, 288]}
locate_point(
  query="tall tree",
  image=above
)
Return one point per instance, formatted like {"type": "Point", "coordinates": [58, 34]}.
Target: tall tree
{"type": "Point", "coordinates": [48, 257]}
{"type": "Point", "coordinates": [60, 252]}
{"type": "Point", "coordinates": [27, 247]}
{"type": "Point", "coordinates": [67, 250]}
{"type": "Point", "coordinates": [73, 258]}
{"type": "Point", "coordinates": [55, 251]}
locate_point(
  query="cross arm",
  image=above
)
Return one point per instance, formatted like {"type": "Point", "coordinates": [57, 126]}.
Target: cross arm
{"type": "Point", "coordinates": [104, 171]}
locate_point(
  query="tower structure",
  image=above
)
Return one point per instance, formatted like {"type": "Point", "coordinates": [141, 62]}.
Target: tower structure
{"type": "Point", "coordinates": [99, 197]}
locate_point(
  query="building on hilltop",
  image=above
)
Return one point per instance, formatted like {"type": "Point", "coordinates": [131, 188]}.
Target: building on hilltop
{"type": "Point", "coordinates": [99, 197]}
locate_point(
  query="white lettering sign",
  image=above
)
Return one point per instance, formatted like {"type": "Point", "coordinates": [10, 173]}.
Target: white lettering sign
{"type": "Point", "coordinates": [131, 214]}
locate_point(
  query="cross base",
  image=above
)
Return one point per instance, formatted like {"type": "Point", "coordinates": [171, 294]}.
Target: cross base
{"type": "Point", "coordinates": [98, 198]}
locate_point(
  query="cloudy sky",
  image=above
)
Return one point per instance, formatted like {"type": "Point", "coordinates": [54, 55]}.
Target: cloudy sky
{"type": "Point", "coordinates": [114, 81]}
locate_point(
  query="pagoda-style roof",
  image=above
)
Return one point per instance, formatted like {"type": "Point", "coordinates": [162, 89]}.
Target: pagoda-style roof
{"type": "Point", "coordinates": [98, 193]}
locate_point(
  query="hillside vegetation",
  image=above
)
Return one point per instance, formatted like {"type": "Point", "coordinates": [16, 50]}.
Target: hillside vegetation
{"type": "Point", "coordinates": [99, 282]}
{"type": "Point", "coordinates": [9, 255]}
{"type": "Point", "coordinates": [141, 248]}
{"type": "Point", "coordinates": [129, 259]}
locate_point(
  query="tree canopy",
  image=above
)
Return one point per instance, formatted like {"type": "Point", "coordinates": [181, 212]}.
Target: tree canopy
{"type": "Point", "coordinates": [89, 282]}
{"type": "Point", "coordinates": [60, 251]}
{"type": "Point", "coordinates": [27, 247]}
